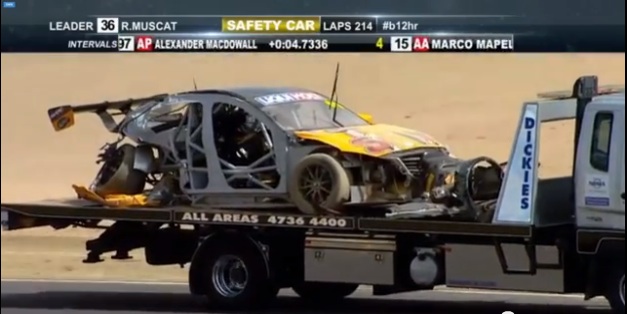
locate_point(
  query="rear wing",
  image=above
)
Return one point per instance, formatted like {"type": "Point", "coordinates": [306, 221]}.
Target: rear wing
{"type": "Point", "coordinates": [62, 117]}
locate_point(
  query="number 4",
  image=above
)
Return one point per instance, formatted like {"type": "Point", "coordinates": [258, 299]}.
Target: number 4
{"type": "Point", "coordinates": [379, 43]}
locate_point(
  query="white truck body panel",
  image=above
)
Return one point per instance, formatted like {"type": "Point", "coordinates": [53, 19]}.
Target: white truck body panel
{"type": "Point", "coordinates": [600, 169]}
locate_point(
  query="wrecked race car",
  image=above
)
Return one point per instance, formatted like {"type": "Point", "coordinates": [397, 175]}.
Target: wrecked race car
{"type": "Point", "coordinates": [256, 148]}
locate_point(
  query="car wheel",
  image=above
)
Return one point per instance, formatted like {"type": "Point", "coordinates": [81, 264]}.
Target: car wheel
{"type": "Point", "coordinates": [117, 176]}
{"type": "Point", "coordinates": [237, 277]}
{"type": "Point", "coordinates": [322, 291]}
{"type": "Point", "coordinates": [615, 288]}
{"type": "Point", "coordinates": [319, 183]}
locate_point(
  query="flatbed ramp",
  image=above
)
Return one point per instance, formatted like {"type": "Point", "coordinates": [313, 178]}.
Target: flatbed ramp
{"type": "Point", "coordinates": [78, 210]}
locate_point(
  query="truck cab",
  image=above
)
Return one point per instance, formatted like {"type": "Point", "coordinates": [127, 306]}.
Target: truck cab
{"type": "Point", "coordinates": [600, 164]}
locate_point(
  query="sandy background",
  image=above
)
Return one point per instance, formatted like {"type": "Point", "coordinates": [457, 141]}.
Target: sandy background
{"type": "Point", "coordinates": [471, 102]}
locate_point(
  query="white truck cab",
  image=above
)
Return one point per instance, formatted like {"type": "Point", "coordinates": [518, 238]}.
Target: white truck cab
{"type": "Point", "coordinates": [591, 201]}
{"type": "Point", "coordinates": [600, 164]}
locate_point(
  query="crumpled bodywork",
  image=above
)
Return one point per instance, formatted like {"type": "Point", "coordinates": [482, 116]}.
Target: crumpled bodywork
{"type": "Point", "coordinates": [154, 123]}
{"type": "Point", "coordinates": [375, 140]}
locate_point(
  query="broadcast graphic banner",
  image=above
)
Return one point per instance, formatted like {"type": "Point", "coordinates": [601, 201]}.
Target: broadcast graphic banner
{"type": "Point", "coordinates": [306, 34]}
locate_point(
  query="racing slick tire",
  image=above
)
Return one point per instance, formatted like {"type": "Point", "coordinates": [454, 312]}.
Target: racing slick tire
{"type": "Point", "coordinates": [117, 176]}
{"type": "Point", "coordinates": [323, 291]}
{"type": "Point", "coordinates": [237, 276]}
{"type": "Point", "coordinates": [615, 288]}
{"type": "Point", "coordinates": [319, 184]}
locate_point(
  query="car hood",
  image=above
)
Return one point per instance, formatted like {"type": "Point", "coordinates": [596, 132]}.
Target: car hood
{"type": "Point", "coordinates": [373, 140]}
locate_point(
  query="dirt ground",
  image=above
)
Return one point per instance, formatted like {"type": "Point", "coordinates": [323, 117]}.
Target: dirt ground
{"type": "Point", "coordinates": [469, 101]}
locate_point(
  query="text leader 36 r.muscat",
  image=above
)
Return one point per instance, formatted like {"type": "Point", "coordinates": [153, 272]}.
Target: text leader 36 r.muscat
{"type": "Point", "coordinates": [125, 26]}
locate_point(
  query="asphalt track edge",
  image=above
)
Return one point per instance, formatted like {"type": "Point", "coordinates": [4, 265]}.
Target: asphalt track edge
{"type": "Point", "coordinates": [164, 283]}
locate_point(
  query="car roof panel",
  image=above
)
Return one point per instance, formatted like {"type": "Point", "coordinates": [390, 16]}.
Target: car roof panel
{"type": "Point", "coordinates": [250, 93]}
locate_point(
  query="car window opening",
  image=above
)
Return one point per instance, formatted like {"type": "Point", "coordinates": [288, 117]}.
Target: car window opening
{"type": "Point", "coordinates": [312, 115]}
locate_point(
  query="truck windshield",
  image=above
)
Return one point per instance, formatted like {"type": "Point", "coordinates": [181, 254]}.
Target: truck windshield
{"type": "Point", "coordinates": [311, 115]}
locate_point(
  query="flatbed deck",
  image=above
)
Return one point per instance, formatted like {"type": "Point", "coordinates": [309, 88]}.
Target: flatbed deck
{"type": "Point", "coordinates": [77, 210]}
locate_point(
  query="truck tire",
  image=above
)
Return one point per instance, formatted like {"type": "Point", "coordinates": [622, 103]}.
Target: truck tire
{"type": "Point", "coordinates": [319, 183]}
{"type": "Point", "coordinates": [237, 276]}
{"type": "Point", "coordinates": [322, 291]}
{"type": "Point", "coordinates": [615, 288]}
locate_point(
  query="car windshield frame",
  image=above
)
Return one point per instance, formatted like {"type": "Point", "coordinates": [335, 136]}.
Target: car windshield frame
{"type": "Point", "coordinates": [321, 116]}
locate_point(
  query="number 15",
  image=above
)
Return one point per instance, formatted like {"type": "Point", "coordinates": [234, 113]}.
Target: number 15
{"type": "Point", "coordinates": [401, 43]}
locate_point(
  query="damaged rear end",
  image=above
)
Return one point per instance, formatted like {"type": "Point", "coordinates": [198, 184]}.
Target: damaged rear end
{"type": "Point", "coordinates": [126, 167]}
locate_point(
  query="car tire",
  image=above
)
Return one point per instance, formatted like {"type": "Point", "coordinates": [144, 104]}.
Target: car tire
{"type": "Point", "coordinates": [322, 291]}
{"type": "Point", "coordinates": [615, 288]}
{"type": "Point", "coordinates": [254, 292]}
{"type": "Point", "coordinates": [118, 176]}
{"type": "Point", "coordinates": [337, 192]}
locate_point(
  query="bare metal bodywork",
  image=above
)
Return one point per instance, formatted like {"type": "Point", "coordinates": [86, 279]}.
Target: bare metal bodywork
{"type": "Point", "coordinates": [194, 137]}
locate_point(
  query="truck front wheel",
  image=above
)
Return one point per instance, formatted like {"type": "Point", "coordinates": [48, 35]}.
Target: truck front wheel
{"type": "Point", "coordinates": [237, 276]}
{"type": "Point", "coordinates": [615, 289]}
{"type": "Point", "coordinates": [322, 291]}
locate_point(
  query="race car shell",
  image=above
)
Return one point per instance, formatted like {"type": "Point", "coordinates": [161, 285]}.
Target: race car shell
{"type": "Point", "coordinates": [373, 140]}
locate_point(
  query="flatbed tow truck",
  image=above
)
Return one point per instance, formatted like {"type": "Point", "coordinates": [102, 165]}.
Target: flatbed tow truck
{"type": "Point", "coordinates": [562, 235]}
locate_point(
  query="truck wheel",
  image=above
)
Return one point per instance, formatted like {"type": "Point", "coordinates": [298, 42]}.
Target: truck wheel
{"type": "Point", "coordinates": [615, 289]}
{"type": "Point", "coordinates": [322, 291]}
{"type": "Point", "coordinates": [117, 176]}
{"type": "Point", "coordinates": [319, 182]}
{"type": "Point", "coordinates": [237, 277]}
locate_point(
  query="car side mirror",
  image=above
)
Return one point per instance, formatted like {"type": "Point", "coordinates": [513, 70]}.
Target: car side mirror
{"type": "Point", "coordinates": [367, 117]}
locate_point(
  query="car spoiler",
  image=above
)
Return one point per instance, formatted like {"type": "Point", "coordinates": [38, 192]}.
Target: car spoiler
{"type": "Point", "coordinates": [62, 117]}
